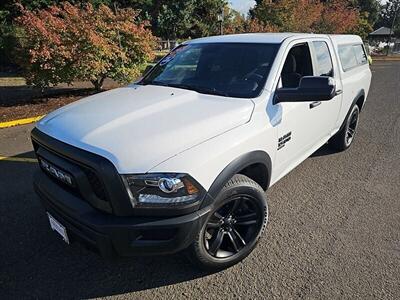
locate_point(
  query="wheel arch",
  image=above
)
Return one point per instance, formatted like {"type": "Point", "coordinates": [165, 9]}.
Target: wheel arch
{"type": "Point", "coordinates": [359, 100]}
{"type": "Point", "coordinates": [249, 164]}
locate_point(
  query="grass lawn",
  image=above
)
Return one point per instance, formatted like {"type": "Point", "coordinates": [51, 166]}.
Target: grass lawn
{"type": "Point", "coordinates": [18, 101]}
{"type": "Point", "coordinates": [12, 81]}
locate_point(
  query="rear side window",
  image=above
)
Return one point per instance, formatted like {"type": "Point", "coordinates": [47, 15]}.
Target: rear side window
{"type": "Point", "coordinates": [360, 54]}
{"type": "Point", "coordinates": [352, 56]}
{"type": "Point", "coordinates": [324, 61]}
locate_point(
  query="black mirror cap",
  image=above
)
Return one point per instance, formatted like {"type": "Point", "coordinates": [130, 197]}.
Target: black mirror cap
{"type": "Point", "coordinates": [311, 88]}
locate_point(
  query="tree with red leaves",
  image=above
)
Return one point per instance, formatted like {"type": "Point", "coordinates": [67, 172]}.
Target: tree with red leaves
{"type": "Point", "coordinates": [334, 16]}
{"type": "Point", "coordinates": [338, 17]}
{"type": "Point", "coordinates": [67, 43]}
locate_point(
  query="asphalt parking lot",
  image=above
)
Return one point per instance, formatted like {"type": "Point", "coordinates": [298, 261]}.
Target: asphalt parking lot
{"type": "Point", "coordinates": [334, 229]}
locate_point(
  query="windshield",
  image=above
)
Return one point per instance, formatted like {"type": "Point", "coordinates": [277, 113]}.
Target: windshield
{"type": "Point", "coordinates": [225, 69]}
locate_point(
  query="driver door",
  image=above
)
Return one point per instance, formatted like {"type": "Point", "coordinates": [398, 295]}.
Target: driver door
{"type": "Point", "coordinates": [302, 123]}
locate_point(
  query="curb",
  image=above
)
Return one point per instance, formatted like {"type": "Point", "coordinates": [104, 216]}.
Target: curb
{"type": "Point", "coordinates": [385, 59]}
{"type": "Point", "coordinates": [18, 159]}
{"type": "Point", "coordinates": [20, 122]}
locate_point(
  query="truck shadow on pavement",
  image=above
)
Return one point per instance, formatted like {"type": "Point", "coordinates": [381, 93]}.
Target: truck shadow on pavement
{"type": "Point", "coordinates": [36, 263]}
{"type": "Point", "coordinates": [323, 151]}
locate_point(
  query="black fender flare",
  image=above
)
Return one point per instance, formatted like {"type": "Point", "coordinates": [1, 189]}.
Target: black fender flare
{"type": "Point", "coordinates": [233, 168]}
{"type": "Point", "coordinates": [359, 95]}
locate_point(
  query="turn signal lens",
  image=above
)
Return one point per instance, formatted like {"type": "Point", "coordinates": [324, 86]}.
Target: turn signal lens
{"type": "Point", "coordinates": [190, 187]}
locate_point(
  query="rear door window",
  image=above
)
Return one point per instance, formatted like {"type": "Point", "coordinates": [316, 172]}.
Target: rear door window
{"type": "Point", "coordinates": [352, 56]}
{"type": "Point", "coordinates": [360, 54]}
{"type": "Point", "coordinates": [324, 65]}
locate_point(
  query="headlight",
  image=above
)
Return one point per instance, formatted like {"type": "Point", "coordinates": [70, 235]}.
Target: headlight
{"type": "Point", "coordinates": [162, 189]}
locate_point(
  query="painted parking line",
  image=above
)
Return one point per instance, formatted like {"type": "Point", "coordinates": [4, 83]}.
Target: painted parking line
{"type": "Point", "coordinates": [18, 159]}
{"type": "Point", "coordinates": [20, 122]}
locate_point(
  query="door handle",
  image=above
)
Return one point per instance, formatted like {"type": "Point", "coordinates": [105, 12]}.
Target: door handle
{"type": "Point", "coordinates": [315, 104]}
{"type": "Point", "coordinates": [338, 92]}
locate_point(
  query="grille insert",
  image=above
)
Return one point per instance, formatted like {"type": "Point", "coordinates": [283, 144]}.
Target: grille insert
{"type": "Point", "coordinates": [96, 184]}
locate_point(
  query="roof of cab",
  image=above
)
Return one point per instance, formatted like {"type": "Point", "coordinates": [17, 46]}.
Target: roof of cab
{"type": "Point", "coordinates": [272, 38]}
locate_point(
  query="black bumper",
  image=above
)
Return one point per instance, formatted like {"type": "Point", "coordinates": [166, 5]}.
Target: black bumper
{"type": "Point", "coordinates": [112, 235]}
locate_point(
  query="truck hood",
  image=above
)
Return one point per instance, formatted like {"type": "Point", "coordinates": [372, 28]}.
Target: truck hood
{"type": "Point", "coordinates": [138, 127]}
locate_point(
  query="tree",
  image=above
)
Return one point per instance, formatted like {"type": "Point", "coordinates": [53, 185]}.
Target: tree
{"type": "Point", "coordinates": [288, 15]}
{"type": "Point", "coordinates": [390, 16]}
{"type": "Point", "coordinates": [337, 17]}
{"type": "Point", "coordinates": [65, 43]}
{"type": "Point", "coordinates": [12, 6]}
{"type": "Point", "coordinates": [369, 10]}
{"type": "Point", "coordinates": [234, 22]}
{"type": "Point", "coordinates": [174, 18]}
{"type": "Point", "coordinates": [253, 25]}
{"type": "Point", "coordinates": [205, 18]}
{"type": "Point", "coordinates": [334, 16]}
{"type": "Point", "coordinates": [8, 11]}
{"type": "Point", "coordinates": [5, 29]}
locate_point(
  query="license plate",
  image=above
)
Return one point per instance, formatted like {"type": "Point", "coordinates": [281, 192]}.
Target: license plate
{"type": "Point", "coordinates": [60, 229]}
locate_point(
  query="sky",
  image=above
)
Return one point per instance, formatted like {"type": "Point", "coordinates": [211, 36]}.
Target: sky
{"type": "Point", "coordinates": [242, 6]}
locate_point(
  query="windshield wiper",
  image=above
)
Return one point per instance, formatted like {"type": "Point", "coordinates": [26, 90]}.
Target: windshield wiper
{"type": "Point", "coordinates": [199, 89]}
{"type": "Point", "coordinates": [210, 91]}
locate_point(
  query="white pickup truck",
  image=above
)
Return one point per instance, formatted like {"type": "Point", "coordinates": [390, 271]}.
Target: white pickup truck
{"type": "Point", "coordinates": [181, 159]}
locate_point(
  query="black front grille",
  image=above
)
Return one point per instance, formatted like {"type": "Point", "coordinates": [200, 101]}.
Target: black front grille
{"type": "Point", "coordinates": [95, 182]}
{"type": "Point", "coordinates": [70, 187]}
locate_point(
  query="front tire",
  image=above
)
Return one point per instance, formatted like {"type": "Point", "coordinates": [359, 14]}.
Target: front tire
{"type": "Point", "coordinates": [233, 227]}
{"type": "Point", "coordinates": [343, 139]}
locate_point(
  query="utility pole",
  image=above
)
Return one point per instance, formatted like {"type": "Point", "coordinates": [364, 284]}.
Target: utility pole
{"type": "Point", "coordinates": [221, 22]}
{"type": "Point", "coordinates": [392, 27]}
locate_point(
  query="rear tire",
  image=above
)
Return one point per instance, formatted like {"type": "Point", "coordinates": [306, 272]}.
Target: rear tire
{"type": "Point", "coordinates": [343, 139]}
{"type": "Point", "coordinates": [233, 227]}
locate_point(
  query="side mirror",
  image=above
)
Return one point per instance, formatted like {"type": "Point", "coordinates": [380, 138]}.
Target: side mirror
{"type": "Point", "coordinates": [311, 88]}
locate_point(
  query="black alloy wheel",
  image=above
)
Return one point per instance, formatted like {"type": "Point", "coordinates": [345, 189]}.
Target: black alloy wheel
{"type": "Point", "coordinates": [351, 127]}
{"type": "Point", "coordinates": [233, 226]}
{"type": "Point", "coordinates": [344, 138]}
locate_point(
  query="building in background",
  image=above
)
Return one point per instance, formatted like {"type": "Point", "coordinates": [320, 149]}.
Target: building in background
{"type": "Point", "coordinates": [379, 39]}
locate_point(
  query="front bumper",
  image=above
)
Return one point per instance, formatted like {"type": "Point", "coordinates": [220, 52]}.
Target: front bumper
{"type": "Point", "coordinates": [112, 235]}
